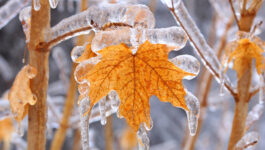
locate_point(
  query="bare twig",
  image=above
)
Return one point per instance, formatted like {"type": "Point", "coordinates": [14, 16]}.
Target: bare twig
{"type": "Point", "coordinates": [234, 12]}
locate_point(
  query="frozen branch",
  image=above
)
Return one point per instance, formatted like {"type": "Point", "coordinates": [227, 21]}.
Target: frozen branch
{"type": "Point", "coordinates": [205, 52]}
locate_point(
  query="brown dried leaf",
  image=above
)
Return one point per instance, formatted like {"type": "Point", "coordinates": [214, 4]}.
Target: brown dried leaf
{"type": "Point", "coordinates": [20, 95]}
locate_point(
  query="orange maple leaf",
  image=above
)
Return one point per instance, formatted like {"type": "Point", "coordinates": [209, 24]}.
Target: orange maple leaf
{"type": "Point", "coordinates": [243, 55]}
{"type": "Point", "coordinates": [20, 95]}
{"type": "Point", "coordinates": [136, 77]}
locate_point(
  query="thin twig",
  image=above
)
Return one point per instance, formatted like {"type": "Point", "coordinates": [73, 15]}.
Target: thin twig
{"type": "Point", "coordinates": [234, 12]}
{"type": "Point", "coordinates": [210, 67]}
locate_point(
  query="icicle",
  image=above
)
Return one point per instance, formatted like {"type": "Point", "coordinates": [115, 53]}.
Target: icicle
{"type": "Point", "coordinates": [20, 129]}
{"type": "Point", "coordinates": [254, 114]}
{"type": "Point", "coordinates": [197, 40]}
{"type": "Point", "coordinates": [114, 100]}
{"type": "Point", "coordinates": [83, 108]}
{"type": "Point", "coordinates": [151, 125]}
{"type": "Point", "coordinates": [249, 140]}
{"type": "Point", "coordinates": [102, 111]}
{"type": "Point", "coordinates": [53, 3]}
{"type": "Point", "coordinates": [194, 107]}
{"type": "Point", "coordinates": [36, 5]}
{"type": "Point", "coordinates": [143, 140]}
{"type": "Point", "coordinates": [10, 10]}
{"type": "Point", "coordinates": [24, 17]}
{"type": "Point", "coordinates": [174, 37]}
{"type": "Point", "coordinates": [188, 63]}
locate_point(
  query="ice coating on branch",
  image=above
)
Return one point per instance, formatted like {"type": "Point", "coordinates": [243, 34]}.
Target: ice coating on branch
{"type": "Point", "coordinates": [53, 3]}
{"type": "Point", "coordinates": [36, 5]}
{"type": "Point", "coordinates": [100, 18]}
{"type": "Point", "coordinates": [254, 114]}
{"type": "Point", "coordinates": [84, 122]}
{"type": "Point", "coordinates": [249, 140]}
{"type": "Point", "coordinates": [174, 37]}
{"type": "Point", "coordinates": [4, 109]}
{"type": "Point", "coordinates": [10, 10]}
{"type": "Point", "coordinates": [143, 140]}
{"type": "Point", "coordinates": [20, 129]}
{"type": "Point", "coordinates": [102, 111]}
{"type": "Point", "coordinates": [114, 100]}
{"type": "Point", "coordinates": [194, 108]}
{"type": "Point", "coordinates": [24, 17]}
{"type": "Point", "coordinates": [196, 38]}
{"type": "Point", "coordinates": [187, 63]}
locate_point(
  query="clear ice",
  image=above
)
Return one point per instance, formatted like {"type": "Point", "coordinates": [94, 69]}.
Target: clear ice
{"type": "Point", "coordinates": [187, 63]}
{"type": "Point", "coordinates": [24, 17]}
{"type": "Point", "coordinates": [254, 115]}
{"type": "Point", "coordinates": [98, 17]}
{"type": "Point", "coordinates": [174, 37]}
{"type": "Point", "coordinates": [53, 3]}
{"type": "Point", "coordinates": [102, 111]}
{"type": "Point", "coordinates": [249, 140]}
{"type": "Point", "coordinates": [114, 100]}
{"type": "Point", "coordinates": [194, 108]}
{"type": "Point", "coordinates": [10, 10]}
{"type": "Point", "coordinates": [36, 5]}
{"type": "Point", "coordinates": [143, 140]}
{"type": "Point", "coordinates": [84, 123]}
{"type": "Point", "coordinates": [197, 40]}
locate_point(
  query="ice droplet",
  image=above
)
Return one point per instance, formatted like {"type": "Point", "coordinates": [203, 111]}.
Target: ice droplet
{"type": "Point", "coordinates": [114, 100]}
{"type": "Point", "coordinates": [249, 140]}
{"type": "Point", "coordinates": [151, 125]}
{"type": "Point", "coordinates": [53, 3]}
{"type": "Point", "coordinates": [84, 120]}
{"type": "Point", "coordinates": [20, 129]}
{"type": "Point", "coordinates": [254, 114]}
{"type": "Point", "coordinates": [36, 5]}
{"type": "Point", "coordinates": [194, 107]}
{"type": "Point", "coordinates": [102, 111]}
{"type": "Point", "coordinates": [143, 140]}
{"type": "Point", "coordinates": [187, 63]}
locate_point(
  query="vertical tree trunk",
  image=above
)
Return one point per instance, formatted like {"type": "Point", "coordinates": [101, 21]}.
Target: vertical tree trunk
{"type": "Point", "coordinates": [38, 58]}
{"type": "Point", "coordinates": [109, 134]}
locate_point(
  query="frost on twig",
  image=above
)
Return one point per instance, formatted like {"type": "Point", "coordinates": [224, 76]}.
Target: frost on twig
{"type": "Point", "coordinates": [254, 115]}
{"type": "Point", "coordinates": [10, 10]}
{"type": "Point", "coordinates": [100, 18]}
{"type": "Point", "coordinates": [205, 52]}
